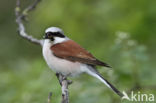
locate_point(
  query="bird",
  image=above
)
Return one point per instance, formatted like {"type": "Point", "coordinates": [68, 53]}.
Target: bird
{"type": "Point", "coordinates": [67, 57]}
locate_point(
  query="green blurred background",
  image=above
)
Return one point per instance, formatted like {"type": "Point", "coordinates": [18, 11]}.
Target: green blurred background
{"type": "Point", "coordinates": [119, 32]}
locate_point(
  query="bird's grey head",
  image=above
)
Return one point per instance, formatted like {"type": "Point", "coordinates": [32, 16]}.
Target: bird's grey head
{"type": "Point", "coordinates": [54, 32]}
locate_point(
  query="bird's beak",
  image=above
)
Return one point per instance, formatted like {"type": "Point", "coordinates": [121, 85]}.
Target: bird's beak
{"type": "Point", "coordinates": [45, 37]}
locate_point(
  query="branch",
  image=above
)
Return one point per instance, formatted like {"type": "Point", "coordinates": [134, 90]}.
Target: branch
{"type": "Point", "coordinates": [64, 84]}
{"type": "Point", "coordinates": [20, 17]}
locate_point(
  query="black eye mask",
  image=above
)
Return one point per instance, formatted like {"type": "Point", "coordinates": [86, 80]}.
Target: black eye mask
{"type": "Point", "coordinates": [55, 34]}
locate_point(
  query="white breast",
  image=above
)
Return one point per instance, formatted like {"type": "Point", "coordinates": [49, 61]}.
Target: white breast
{"type": "Point", "coordinates": [57, 64]}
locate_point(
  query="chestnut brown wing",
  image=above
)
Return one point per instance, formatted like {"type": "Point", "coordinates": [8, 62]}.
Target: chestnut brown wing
{"type": "Point", "coordinates": [73, 52]}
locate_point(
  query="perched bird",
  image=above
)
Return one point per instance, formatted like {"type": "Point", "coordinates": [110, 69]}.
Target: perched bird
{"type": "Point", "coordinates": [65, 56]}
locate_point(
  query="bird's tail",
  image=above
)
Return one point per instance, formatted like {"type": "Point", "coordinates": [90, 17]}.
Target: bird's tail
{"type": "Point", "coordinates": [95, 73]}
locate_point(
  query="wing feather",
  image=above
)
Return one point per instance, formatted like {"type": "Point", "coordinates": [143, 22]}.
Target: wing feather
{"type": "Point", "coordinates": [73, 52]}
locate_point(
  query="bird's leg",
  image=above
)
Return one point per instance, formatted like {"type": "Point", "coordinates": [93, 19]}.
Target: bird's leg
{"type": "Point", "coordinates": [61, 77]}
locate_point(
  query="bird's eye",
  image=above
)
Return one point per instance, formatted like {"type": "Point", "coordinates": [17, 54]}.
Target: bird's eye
{"type": "Point", "coordinates": [49, 35]}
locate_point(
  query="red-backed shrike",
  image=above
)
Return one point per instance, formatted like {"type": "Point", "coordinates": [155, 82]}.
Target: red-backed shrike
{"type": "Point", "coordinates": [65, 56]}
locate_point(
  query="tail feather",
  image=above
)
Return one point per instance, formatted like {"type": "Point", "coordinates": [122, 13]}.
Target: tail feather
{"type": "Point", "coordinates": [110, 86]}
{"type": "Point", "coordinates": [96, 74]}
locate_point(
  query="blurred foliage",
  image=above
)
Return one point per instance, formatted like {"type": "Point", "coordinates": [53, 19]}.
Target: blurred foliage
{"type": "Point", "coordinates": [26, 78]}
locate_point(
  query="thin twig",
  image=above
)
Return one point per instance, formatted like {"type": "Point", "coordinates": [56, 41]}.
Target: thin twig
{"type": "Point", "coordinates": [19, 20]}
{"type": "Point", "coordinates": [31, 7]}
{"type": "Point", "coordinates": [49, 97]}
